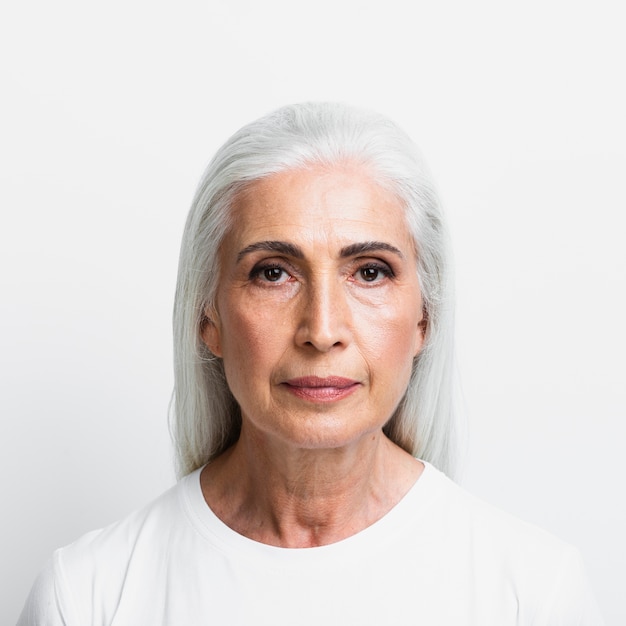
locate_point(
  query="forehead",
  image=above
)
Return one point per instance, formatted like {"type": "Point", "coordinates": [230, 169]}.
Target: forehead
{"type": "Point", "coordinates": [338, 205]}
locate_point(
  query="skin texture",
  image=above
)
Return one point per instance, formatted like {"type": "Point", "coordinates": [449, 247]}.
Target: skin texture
{"type": "Point", "coordinates": [318, 317]}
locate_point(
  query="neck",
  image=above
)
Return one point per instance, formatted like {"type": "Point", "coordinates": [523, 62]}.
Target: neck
{"type": "Point", "coordinates": [281, 496]}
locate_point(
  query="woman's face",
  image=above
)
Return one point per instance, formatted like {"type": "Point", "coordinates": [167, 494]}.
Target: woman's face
{"type": "Point", "coordinates": [318, 310]}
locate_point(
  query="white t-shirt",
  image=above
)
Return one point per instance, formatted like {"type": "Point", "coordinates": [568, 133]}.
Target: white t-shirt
{"type": "Point", "coordinates": [439, 557]}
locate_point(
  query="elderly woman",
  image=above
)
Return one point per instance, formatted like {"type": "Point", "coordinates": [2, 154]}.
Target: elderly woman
{"type": "Point", "coordinates": [313, 415]}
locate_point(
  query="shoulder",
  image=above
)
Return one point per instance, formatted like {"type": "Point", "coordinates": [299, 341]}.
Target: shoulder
{"type": "Point", "coordinates": [541, 574]}
{"type": "Point", "coordinates": [462, 512]}
{"type": "Point", "coordinates": [88, 575]}
{"type": "Point", "coordinates": [112, 545]}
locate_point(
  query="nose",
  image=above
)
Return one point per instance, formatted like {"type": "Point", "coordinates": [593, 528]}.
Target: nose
{"type": "Point", "coordinates": [325, 316]}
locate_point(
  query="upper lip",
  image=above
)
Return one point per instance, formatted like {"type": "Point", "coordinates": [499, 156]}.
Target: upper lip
{"type": "Point", "coordinates": [338, 382]}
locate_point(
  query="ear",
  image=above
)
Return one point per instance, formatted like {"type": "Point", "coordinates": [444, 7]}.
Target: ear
{"type": "Point", "coordinates": [420, 336]}
{"type": "Point", "coordinates": [210, 332]}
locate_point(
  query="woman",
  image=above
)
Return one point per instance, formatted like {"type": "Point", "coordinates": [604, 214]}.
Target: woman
{"type": "Point", "coordinates": [312, 415]}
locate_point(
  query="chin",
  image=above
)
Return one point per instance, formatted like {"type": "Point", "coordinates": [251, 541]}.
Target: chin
{"type": "Point", "coordinates": [328, 436]}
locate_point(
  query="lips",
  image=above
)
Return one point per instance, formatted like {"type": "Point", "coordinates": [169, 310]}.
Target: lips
{"type": "Point", "coordinates": [316, 389]}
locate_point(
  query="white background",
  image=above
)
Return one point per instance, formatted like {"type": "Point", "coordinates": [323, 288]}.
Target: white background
{"type": "Point", "coordinates": [110, 112]}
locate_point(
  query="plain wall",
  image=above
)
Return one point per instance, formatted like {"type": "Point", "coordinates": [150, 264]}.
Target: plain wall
{"type": "Point", "coordinates": [110, 112]}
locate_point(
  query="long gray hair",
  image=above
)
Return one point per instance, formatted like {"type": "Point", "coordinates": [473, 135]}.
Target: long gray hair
{"type": "Point", "coordinates": [205, 417]}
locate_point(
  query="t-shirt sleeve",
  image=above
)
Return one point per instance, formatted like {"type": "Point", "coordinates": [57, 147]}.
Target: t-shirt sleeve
{"type": "Point", "coordinates": [45, 603]}
{"type": "Point", "coordinates": [571, 602]}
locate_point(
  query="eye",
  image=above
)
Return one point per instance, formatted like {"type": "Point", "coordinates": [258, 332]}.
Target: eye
{"type": "Point", "coordinates": [269, 274]}
{"type": "Point", "coordinates": [273, 274]}
{"type": "Point", "coordinates": [373, 273]}
{"type": "Point", "coordinates": [369, 274]}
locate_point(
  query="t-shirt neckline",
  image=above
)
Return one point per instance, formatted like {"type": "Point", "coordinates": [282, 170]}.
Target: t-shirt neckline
{"type": "Point", "coordinates": [228, 541]}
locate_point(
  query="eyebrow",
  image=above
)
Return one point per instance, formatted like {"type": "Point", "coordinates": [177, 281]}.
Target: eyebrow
{"type": "Point", "coordinates": [282, 247]}
{"type": "Point", "coordinates": [369, 246]}
{"type": "Point", "coordinates": [290, 249]}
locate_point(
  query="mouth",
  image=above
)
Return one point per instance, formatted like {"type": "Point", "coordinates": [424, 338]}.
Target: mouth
{"type": "Point", "coordinates": [316, 389]}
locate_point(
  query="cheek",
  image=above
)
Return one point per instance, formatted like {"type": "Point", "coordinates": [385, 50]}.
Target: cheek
{"type": "Point", "coordinates": [392, 330]}
{"type": "Point", "coordinates": [389, 347]}
{"type": "Point", "coordinates": [397, 343]}
{"type": "Point", "coordinates": [251, 339]}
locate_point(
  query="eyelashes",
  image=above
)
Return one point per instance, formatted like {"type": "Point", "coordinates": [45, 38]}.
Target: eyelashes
{"type": "Point", "coordinates": [374, 272]}
{"type": "Point", "coordinates": [270, 273]}
{"type": "Point", "coordinates": [370, 273]}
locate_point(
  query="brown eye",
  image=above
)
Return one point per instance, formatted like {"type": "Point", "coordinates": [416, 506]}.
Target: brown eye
{"type": "Point", "coordinates": [373, 273]}
{"type": "Point", "coordinates": [273, 274]}
{"type": "Point", "coordinates": [266, 273]}
{"type": "Point", "coordinates": [369, 274]}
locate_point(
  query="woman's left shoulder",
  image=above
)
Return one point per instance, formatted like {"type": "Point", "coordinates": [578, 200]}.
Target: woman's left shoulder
{"type": "Point", "coordinates": [544, 574]}
{"type": "Point", "coordinates": [462, 509]}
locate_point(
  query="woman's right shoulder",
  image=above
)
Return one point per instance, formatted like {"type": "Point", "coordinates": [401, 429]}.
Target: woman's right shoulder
{"type": "Point", "coordinates": [88, 575]}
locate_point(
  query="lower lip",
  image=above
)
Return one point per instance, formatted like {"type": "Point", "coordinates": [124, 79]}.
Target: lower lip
{"type": "Point", "coordinates": [322, 394]}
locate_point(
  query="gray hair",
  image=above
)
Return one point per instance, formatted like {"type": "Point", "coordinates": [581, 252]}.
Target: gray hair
{"type": "Point", "coordinates": [205, 416]}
